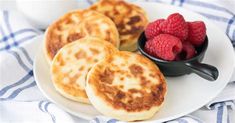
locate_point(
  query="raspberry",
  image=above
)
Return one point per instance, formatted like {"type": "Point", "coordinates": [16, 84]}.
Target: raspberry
{"type": "Point", "coordinates": [164, 46]}
{"type": "Point", "coordinates": [175, 25]}
{"type": "Point", "coordinates": [153, 29]}
{"type": "Point", "coordinates": [187, 52]}
{"type": "Point", "coordinates": [197, 32]}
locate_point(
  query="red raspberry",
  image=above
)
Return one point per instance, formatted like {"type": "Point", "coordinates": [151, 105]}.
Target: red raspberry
{"type": "Point", "coordinates": [164, 46]}
{"type": "Point", "coordinates": [153, 29]}
{"type": "Point", "coordinates": [197, 32]}
{"type": "Point", "coordinates": [187, 52]}
{"type": "Point", "coordinates": [175, 25]}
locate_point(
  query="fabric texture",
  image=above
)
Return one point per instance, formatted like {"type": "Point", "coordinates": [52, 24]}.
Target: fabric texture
{"type": "Point", "coordinates": [21, 100]}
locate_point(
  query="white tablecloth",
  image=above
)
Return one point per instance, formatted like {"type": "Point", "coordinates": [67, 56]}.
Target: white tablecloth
{"type": "Point", "coordinates": [36, 108]}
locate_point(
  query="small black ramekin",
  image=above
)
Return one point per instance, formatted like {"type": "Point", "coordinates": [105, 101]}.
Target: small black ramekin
{"type": "Point", "coordinates": [178, 68]}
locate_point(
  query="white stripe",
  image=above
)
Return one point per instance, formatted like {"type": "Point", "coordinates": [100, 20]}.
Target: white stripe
{"type": "Point", "coordinates": [225, 114]}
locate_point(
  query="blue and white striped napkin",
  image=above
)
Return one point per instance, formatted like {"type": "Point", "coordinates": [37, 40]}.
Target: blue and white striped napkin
{"type": "Point", "coordinates": [21, 100]}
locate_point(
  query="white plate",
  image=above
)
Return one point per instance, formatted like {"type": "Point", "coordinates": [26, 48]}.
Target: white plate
{"type": "Point", "coordinates": [185, 94]}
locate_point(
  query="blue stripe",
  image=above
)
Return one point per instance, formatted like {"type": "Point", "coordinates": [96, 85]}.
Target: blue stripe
{"type": "Point", "coordinates": [214, 17]}
{"type": "Point", "coordinates": [216, 105]}
{"type": "Point", "coordinates": [230, 22]}
{"type": "Point", "coordinates": [230, 103]}
{"type": "Point", "coordinates": [181, 3]}
{"type": "Point", "coordinates": [112, 121]}
{"type": "Point", "coordinates": [233, 37]}
{"type": "Point", "coordinates": [233, 42]}
{"type": "Point", "coordinates": [46, 109]}
{"type": "Point", "coordinates": [180, 120]}
{"type": "Point", "coordinates": [217, 18]}
{"type": "Point", "coordinates": [17, 91]}
{"type": "Point", "coordinates": [27, 55]}
{"type": "Point", "coordinates": [19, 60]}
{"type": "Point", "coordinates": [40, 105]}
{"type": "Point", "coordinates": [26, 38]}
{"type": "Point", "coordinates": [16, 43]}
{"type": "Point", "coordinates": [210, 6]}
{"type": "Point", "coordinates": [157, 1]}
{"type": "Point", "coordinates": [220, 114]}
{"type": "Point", "coordinates": [46, 106]}
{"type": "Point", "coordinates": [19, 41]}
{"type": "Point", "coordinates": [21, 81]}
{"type": "Point", "coordinates": [172, 2]}
{"type": "Point", "coordinates": [6, 37]}
{"type": "Point", "coordinates": [97, 120]}
{"type": "Point", "coordinates": [3, 34]}
{"type": "Point", "coordinates": [210, 16]}
{"type": "Point", "coordinates": [90, 2]}
{"type": "Point", "coordinates": [1, 31]}
{"type": "Point", "coordinates": [6, 19]}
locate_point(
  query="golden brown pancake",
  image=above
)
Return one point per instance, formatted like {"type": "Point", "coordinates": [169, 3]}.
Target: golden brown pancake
{"type": "Point", "coordinates": [129, 19]}
{"type": "Point", "coordinates": [78, 24]}
{"type": "Point", "coordinates": [72, 63]}
{"type": "Point", "coordinates": [126, 86]}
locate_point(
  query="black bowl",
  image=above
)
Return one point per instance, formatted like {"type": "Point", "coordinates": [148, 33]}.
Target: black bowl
{"type": "Point", "coordinates": [178, 68]}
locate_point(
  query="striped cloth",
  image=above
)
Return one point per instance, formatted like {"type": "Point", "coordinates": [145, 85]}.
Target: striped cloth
{"type": "Point", "coordinates": [21, 100]}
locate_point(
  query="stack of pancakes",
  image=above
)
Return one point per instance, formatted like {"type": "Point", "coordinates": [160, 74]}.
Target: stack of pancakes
{"type": "Point", "coordinates": [82, 48]}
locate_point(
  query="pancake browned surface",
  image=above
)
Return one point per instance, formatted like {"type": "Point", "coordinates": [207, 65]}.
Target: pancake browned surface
{"type": "Point", "coordinates": [72, 63]}
{"type": "Point", "coordinates": [129, 19]}
{"type": "Point", "coordinates": [78, 24]}
{"type": "Point", "coordinates": [126, 86]}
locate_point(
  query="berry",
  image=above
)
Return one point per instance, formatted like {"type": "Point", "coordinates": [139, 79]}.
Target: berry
{"type": "Point", "coordinates": [187, 52]}
{"type": "Point", "coordinates": [197, 32]}
{"type": "Point", "coordinates": [175, 25]}
{"type": "Point", "coordinates": [153, 29]}
{"type": "Point", "coordinates": [164, 46]}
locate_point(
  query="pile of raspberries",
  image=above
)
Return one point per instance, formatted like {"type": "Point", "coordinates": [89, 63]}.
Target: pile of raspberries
{"type": "Point", "coordinates": [174, 39]}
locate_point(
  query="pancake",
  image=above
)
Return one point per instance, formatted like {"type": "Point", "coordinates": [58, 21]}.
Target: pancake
{"type": "Point", "coordinates": [130, 20]}
{"type": "Point", "coordinates": [72, 63]}
{"type": "Point", "coordinates": [75, 25]}
{"type": "Point", "coordinates": [126, 86]}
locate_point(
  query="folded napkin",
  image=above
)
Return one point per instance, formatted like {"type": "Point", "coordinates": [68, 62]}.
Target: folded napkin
{"type": "Point", "coordinates": [21, 100]}
{"type": "Point", "coordinates": [32, 111]}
